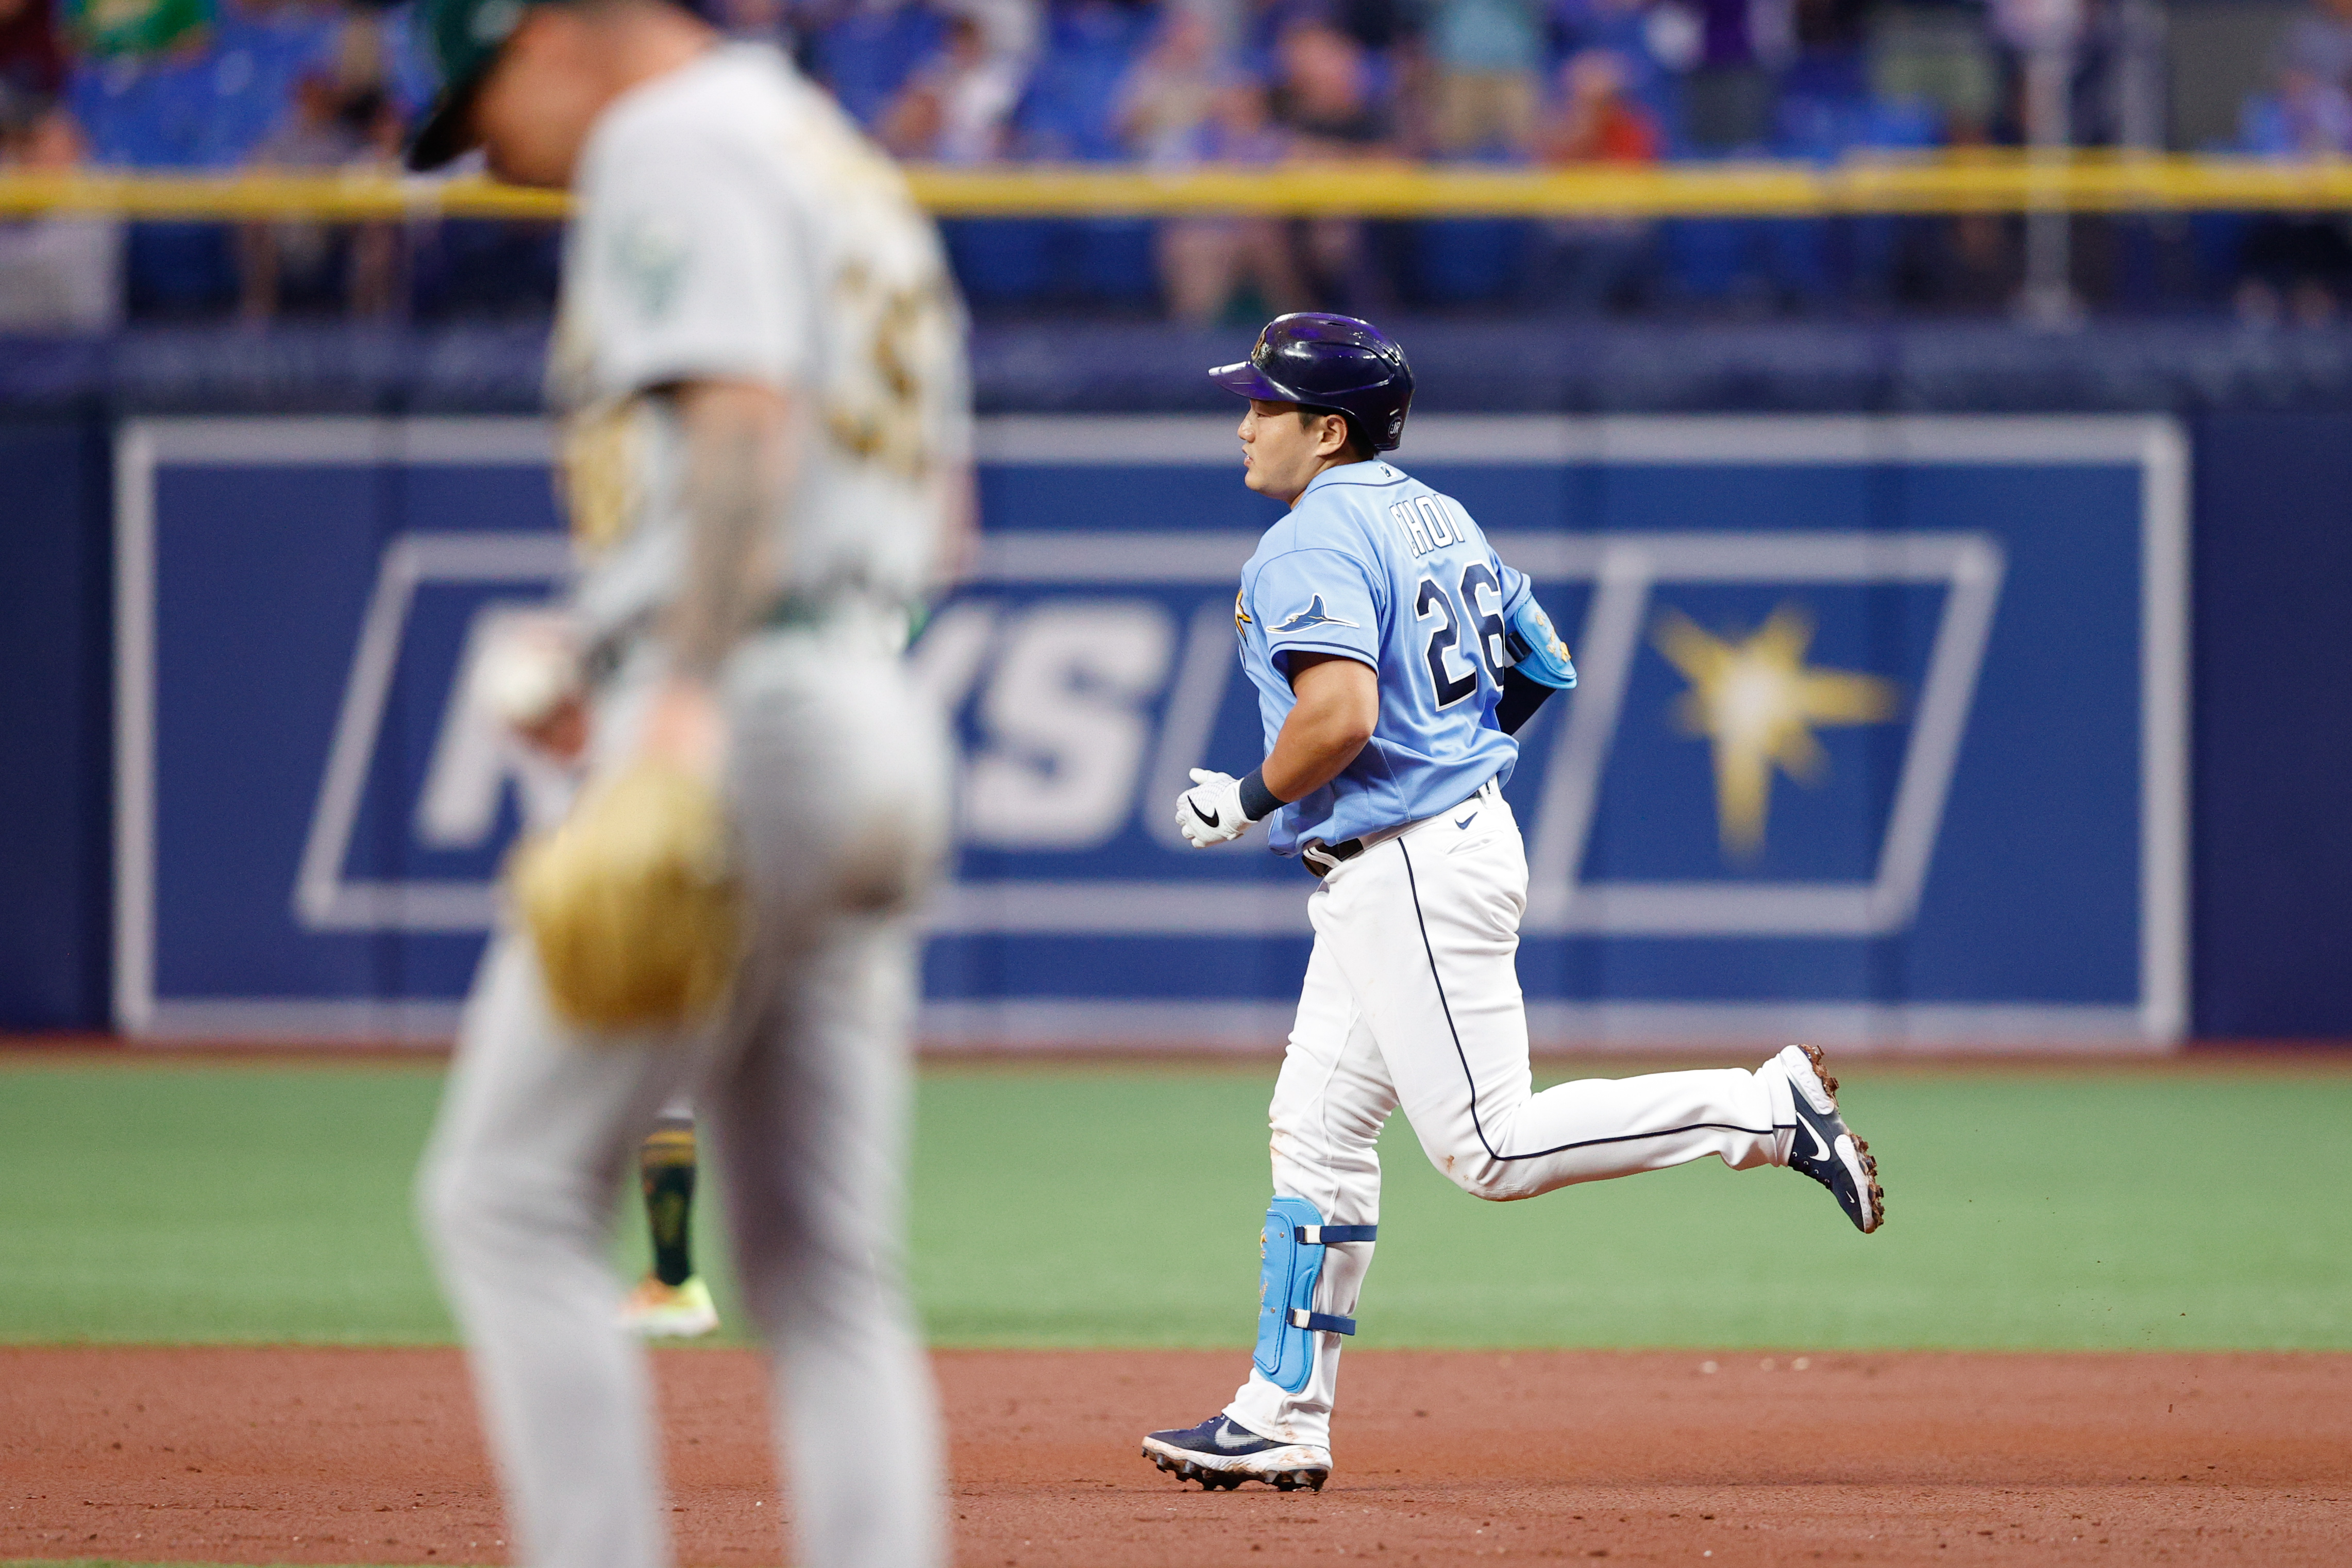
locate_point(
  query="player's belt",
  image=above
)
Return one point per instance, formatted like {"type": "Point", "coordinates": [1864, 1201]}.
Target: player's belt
{"type": "Point", "coordinates": [853, 617]}
{"type": "Point", "coordinates": [815, 612]}
{"type": "Point", "coordinates": [1323, 858]}
{"type": "Point", "coordinates": [890, 625]}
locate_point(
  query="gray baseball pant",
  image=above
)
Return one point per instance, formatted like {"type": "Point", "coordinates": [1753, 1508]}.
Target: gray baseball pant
{"type": "Point", "coordinates": [838, 778]}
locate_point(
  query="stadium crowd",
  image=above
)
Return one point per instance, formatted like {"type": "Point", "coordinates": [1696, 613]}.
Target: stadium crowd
{"type": "Point", "coordinates": [314, 84]}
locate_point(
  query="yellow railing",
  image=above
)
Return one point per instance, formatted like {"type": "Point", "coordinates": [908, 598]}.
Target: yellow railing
{"type": "Point", "coordinates": [1975, 182]}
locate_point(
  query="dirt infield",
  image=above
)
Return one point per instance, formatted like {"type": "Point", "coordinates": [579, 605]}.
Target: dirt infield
{"type": "Point", "coordinates": [370, 1456]}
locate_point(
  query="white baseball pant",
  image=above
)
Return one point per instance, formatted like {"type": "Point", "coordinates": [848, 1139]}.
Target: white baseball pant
{"type": "Point", "coordinates": [837, 776]}
{"type": "Point", "coordinates": [1411, 1001]}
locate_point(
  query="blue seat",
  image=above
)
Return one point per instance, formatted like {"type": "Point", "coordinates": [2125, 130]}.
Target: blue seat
{"type": "Point", "coordinates": [866, 55]}
{"type": "Point", "coordinates": [1073, 90]}
{"type": "Point", "coordinates": [144, 116]}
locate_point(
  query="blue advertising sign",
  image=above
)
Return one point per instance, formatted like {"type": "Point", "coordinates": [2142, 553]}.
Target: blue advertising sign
{"type": "Point", "coordinates": [1879, 736]}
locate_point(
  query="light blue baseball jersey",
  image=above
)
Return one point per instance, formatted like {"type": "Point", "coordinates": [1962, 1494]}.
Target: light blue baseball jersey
{"type": "Point", "coordinates": [1374, 565]}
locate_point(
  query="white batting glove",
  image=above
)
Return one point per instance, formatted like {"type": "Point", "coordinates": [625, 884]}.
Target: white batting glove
{"type": "Point", "coordinates": [1210, 811]}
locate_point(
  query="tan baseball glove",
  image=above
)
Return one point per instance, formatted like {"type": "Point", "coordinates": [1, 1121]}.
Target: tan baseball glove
{"type": "Point", "coordinates": [633, 901]}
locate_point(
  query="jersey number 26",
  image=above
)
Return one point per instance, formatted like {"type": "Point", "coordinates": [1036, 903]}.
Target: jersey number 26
{"type": "Point", "coordinates": [1432, 603]}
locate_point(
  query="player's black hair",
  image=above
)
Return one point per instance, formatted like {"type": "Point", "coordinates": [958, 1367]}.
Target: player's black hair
{"type": "Point", "coordinates": [1359, 440]}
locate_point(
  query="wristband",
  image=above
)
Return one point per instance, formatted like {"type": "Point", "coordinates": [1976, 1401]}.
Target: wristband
{"type": "Point", "coordinates": [1258, 802]}
{"type": "Point", "coordinates": [1522, 695]}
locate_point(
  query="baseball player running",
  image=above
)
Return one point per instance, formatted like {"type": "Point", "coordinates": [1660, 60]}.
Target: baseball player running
{"type": "Point", "coordinates": [758, 355]}
{"type": "Point", "coordinates": [1395, 655]}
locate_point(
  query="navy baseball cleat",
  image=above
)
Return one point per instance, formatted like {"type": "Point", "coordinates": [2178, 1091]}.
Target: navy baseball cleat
{"type": "Point", "coordinates": [1217, 1453]}
{"type": "Point", "coordinates": [1823, 1147]}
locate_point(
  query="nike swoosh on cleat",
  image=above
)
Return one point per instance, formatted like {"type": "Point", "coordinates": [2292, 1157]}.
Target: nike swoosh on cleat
{"type": "Point", "coordinates": [1821, 1149]}
{"type": "Point", "coordinates": [1222, 1442]}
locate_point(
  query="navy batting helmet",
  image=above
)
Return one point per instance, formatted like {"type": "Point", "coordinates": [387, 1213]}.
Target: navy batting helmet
{"type": "Point", "coordinates": [1335, 364]}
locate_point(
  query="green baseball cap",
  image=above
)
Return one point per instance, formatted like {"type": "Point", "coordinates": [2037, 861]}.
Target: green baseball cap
{"type": "Point", "coordinates": [463, 36]}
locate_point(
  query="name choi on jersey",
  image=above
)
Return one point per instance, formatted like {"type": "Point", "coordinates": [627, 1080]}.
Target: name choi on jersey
{"type": "Point", "coordinates": [1426, 527]}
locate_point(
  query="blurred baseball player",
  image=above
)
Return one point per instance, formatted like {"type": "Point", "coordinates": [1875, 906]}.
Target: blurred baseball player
{"type": "Point", "coordinates": [1395, 655]}
{"type": "Point", "coordinates": [759, 357]}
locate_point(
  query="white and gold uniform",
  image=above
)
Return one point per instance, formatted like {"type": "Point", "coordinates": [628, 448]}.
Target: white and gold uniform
{"type": "Point", "coordinates": [734, 226]}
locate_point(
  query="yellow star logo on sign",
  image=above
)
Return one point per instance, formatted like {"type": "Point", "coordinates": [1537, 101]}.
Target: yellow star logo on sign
{"type": "Point", "coordinates": [1759, 701]}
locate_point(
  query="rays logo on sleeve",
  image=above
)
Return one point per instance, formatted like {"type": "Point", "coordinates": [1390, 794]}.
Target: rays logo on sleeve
{"type": "Point", "coordinates": [1313, 615]}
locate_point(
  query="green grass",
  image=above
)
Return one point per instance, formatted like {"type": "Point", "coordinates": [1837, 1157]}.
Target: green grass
{"type": "Point", "coordinates": [187, 1201]}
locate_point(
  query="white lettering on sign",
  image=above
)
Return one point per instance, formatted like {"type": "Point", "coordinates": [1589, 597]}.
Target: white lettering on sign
{"type": "Point", "coordinates": [946, 659]}
{"type": "Point", "coordinates": [477, 753]}
{"type": "Point", "coordinates": [1065, 726]}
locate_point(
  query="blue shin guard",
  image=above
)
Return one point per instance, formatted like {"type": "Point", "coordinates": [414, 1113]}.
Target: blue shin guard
{"type": "Point", "coordinates": [1291, 1260]}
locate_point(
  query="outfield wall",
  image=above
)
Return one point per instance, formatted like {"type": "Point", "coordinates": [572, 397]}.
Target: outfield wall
{"type": "Point", "coordinates": [306, 824]}
{"type": "Point", "coordinates": [308, 816]}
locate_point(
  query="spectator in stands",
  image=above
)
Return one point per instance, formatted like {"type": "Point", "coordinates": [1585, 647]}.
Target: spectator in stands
{"type": "Point", "coordinates": [57, 273]}
{"type": "Point", "coordinates": [1388, 28]}
{"type": "Point", "coordinates": [1730, 92]}
{"type": "Point", "coordinates": [329, 126]}
{"type": "Point", "coordinates": [104, 29]}
{"type": "Point", "coordinates": [2309, 116]}
{"type": "Point", "coordinates": [1596, 263]}
{"type": "Point", "coordinates": [31, 65]}
{"type": "Point", "coordinates": [864, 51]}
{"type": "Point", "coordinates": [1166, 96]}
{"type": "Point", "coordinates": [1656, 42]}
{"type": "Point", "coordinates": [956, 107]}
{"type": "Point", "coordinates": [1940, 57]}
{"type": "Point", "coordinates": [1211, 266]}
{"type": "Point", "coordinates": [1595, 119]}
{"type": "Point", "coordinates": [1325, 95]}
{"type": "Point", "coordinates": [1487, 56]}
{"type": "Point", "coordinates": [1383, 27]}
{"type": "Point", "coordinates": [2298, 265]}
{"type": "Point", "coordinates": [755, 21]}
{"type": "Point", "coordinates": [378, 281]}
{"type": "Point", "coordinates": [1010, 27]}
{"type": "Point", "coordinates": [297, 255]}
{"type": "Point", "coordinates": [1326, 101]}
{"type": "Point", "coordinates": [1827, 36]}
{"type": "Point", "coordinates": [2318, 44]}
{"type": "Point", "coordinates": [1628, 27]}
{"type": "Point", "coordinates": [1941, 62]}
{"type": "Point", "coordinates": [1176, 107]}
